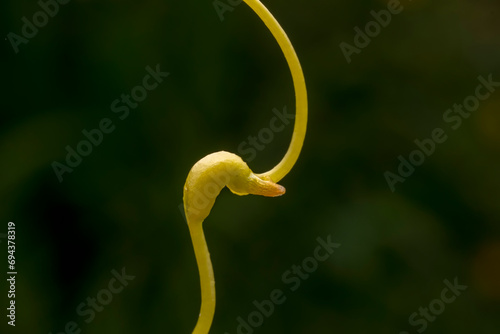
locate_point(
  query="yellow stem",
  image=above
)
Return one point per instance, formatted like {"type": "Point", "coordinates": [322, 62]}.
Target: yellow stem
{"type": "Point", "coordinates": [207, 280]}
{"type": "Point", "coordinates": [299, 130]}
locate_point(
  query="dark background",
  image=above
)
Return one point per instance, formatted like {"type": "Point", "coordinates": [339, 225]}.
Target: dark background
{"type": "Point", "coordinates": [120, 207]}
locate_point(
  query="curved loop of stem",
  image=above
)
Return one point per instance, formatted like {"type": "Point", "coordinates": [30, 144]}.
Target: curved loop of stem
{"type": "Point", "coordinates": [299, 130]}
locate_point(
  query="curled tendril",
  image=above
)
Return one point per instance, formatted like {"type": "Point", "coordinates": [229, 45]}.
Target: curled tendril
{"type": "Point", "coordinates": [218, 170]}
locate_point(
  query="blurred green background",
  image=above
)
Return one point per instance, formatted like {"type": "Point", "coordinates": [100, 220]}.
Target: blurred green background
{"type": "Point", "coordinates": [119, 208]}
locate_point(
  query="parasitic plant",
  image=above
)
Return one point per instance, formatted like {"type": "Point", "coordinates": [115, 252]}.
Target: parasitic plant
{"type": "Point", "coordinates": [217, 170]}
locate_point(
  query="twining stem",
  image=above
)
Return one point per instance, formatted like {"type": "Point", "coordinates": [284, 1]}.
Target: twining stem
{"type": "Point", "coordinates": [241, 180]}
